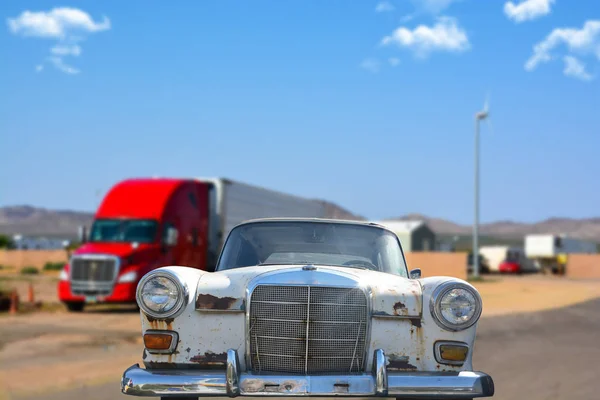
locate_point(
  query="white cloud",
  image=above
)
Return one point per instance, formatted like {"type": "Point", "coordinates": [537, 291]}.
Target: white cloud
{"type": "Point", "coordinates": [384, 6]}
{"type": "Point", "coordinates": [445, 35]}
{"type": "Point", "coordinates": [65, 25]}
{"type": "Point", "coordinates": [370, 64]}
{"type": "Point", "coordinates": [39, 68]}
{"type": "Point", "coordinates": [582, 42]}
{"type": "Point", "coordinates": [66, 50]}
{"type": "Point", "coordinates": [576, 69]}
{"type": "Point", "coordinates": [394, 62]}
{"type": "Point", "coordinates": [60, 65]}
{"type": "Point", "coordinates": [56, 23]}
{"type": "Point", "coordinates": [527, 10]}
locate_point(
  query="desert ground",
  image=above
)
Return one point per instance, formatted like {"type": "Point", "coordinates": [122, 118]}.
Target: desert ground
{"type": "Point", "coordinates": [537, 338]}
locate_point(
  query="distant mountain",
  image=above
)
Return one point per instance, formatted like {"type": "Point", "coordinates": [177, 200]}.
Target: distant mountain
{"type": "Point", "coordinates": [586, 228]}
{"type": "Point", "coordinates": [336, 212]}
{"type": "Point", "coordinates": [33, 221]}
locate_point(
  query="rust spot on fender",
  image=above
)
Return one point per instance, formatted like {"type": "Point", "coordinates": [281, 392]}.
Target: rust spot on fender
{"type": "Point", "coordinates": [416, 322]}
{"type": "Point", "coordinates": [210, 360]}
{"type": "Point", "coordinates": [399, 363]}
{"type": "Point", "coordinates": [210, 302]}
{"type": "Point", "coordinates": [160, 365]}
{"type": "Point", "coordinates": [400, 309]}
{"type": "Point", "coordinates": [164, 324]}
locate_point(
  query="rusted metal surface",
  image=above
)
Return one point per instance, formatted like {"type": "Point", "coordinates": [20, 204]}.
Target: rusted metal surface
{"type": "Point", "coordinates": [209, 302]}
{"type": "Point", "coordinates": [400, 309]}
{"type": "Point", "coordinates": [264, 385]}
{"type": "Point", "coordinates": [210, 360]}
{"type": "Point", "coordinates": [399, 363]}
{"type": "Point", "coordinates": [154, 323]}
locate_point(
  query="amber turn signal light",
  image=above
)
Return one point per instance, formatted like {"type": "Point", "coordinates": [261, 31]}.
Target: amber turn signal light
{"type": "Point", "coordinates": [451, 353]}
{"type": "Point", "coordinates": [160, 341]}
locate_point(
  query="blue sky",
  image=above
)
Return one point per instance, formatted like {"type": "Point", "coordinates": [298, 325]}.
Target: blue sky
{"type": "Point", "coordinates": [301, 96]}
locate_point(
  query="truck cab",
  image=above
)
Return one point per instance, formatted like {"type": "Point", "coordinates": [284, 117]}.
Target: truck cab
{"type": "Point", "coordinates": [141, 224]}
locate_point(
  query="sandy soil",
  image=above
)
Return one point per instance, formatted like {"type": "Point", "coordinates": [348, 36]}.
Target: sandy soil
{"type": "Point", "coordinates": [504, 295]}
{"type": "Point", "coordinates": [47, 352]}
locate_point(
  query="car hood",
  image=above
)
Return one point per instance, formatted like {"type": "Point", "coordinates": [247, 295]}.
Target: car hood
{"type": "Point", "coordinates": [391, 295]}
{"type": "Point", "coordinates": [115, 249]}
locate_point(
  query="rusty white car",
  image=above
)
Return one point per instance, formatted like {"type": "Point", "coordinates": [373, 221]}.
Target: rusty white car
{"type": "Point", "coordinates": [307, 307]}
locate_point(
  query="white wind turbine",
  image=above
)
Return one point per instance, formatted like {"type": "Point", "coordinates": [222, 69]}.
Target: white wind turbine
{"type": "Point", "coordinates": [481, 115]}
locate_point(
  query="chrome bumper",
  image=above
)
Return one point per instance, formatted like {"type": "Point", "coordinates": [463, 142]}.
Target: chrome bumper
{"type": "Point", "coordinates": [231, 383]}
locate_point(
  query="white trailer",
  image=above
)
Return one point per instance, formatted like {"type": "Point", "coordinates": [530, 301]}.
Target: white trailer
{"type": "Point", "coordinates": [549, 251]}
{"type": "Point", "coordinates": [234, 202]}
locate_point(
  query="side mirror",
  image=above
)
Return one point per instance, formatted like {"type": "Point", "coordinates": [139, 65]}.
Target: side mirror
{"type": "Point", "coordinates": [415, 273]}
{"type": "Point", "coordinates": [172, 234]}
{"type": "Point", "coordinates": [82, 234]}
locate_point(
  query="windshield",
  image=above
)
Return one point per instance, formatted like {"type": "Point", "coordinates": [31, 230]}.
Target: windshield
{"type": "Point", "coordinates": [123, 230]}
{"type": "Point", "coordinates": [319, 243]}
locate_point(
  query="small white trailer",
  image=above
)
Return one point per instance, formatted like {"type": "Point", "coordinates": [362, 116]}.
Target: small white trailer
{"type": "Point", "coordinates": [496, 255]}
{"type": "Point", "coordinates": [549, 252]}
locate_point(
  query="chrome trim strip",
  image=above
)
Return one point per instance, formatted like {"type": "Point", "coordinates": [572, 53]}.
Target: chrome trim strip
{"type": "Point", "coordinates": [137, 381]}
{"type": "Point", "coordinates": [436, 298]}
{"type": "Point", "coordinates": [380, 373]}
{"type": "Point", "coordinates": [307, 331]}
{"type": "Point", "coordinates": [438, 354]}
{"type": "Point", "coordinates": [174, 341]}
{"type": "Point", "coordinates": [181, 301]}
{"type": "Point", "coordinates": [232, 373]}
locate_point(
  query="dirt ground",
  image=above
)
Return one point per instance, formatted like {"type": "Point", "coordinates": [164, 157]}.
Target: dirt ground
{"type": "Point", "coordinates": [521, 340]}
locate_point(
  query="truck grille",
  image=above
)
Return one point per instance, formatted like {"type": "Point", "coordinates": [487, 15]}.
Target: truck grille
{"type": "Point", "coordinates": [93, 276]}
{"type": "Point", "coordinates": [93, 269]}
{"type": "Point", "coordinates": [307, 329]}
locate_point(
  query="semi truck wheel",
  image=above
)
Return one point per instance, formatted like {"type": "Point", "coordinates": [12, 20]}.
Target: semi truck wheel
{"type": "Point", "coordinates": [75, 306]}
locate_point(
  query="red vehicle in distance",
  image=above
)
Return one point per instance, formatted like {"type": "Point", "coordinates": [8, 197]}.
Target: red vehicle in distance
{"type": "Point", "coordinates": [143, 224]}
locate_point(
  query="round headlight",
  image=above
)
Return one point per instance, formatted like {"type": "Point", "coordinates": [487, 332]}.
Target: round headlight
{"type": "Point", "coordinates": [455, 306]}
{"type": "Point", "coordinates": [161, 294]}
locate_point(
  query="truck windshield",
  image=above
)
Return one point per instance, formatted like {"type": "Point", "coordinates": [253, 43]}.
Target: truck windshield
{"type": "Point", "coordinates": [123, 230]}
{"type": "Point", "coordinates": [318, 243]}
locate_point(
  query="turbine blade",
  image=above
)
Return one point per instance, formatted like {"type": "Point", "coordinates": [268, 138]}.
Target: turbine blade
{"type": "Point", "coordinates": [486, 104]}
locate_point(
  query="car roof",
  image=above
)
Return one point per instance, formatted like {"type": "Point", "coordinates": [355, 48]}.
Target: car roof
{"type": "Point", "coordinates": [319, 220]}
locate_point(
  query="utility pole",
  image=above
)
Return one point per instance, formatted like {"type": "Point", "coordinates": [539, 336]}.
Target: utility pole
{"type": "Point", "coordinates": [478, 117]}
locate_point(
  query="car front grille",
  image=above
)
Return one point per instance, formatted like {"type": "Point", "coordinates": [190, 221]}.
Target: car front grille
{"type": "Point", "coordinates": [307, 329]}
{"type": "Point", "coordinates": [93, 276]}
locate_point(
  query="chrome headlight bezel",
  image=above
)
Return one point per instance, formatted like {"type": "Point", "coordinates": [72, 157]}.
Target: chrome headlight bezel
{"type": "Point", "coordinates": [182, 299]}
{"type": "Point", "coordinates": [436, 300]}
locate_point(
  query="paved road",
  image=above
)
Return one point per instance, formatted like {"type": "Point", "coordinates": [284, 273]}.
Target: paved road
{"type": "Point", "coordinates": [546, 355]}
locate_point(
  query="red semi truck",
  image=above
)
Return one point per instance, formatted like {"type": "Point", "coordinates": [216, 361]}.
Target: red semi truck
{"type": "Point", "coordinates": [143, 224]}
